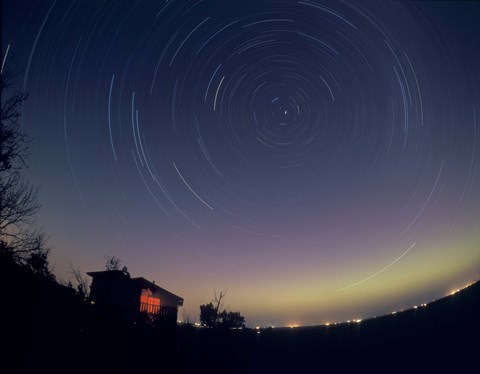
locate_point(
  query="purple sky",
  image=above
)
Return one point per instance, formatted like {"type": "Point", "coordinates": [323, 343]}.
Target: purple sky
{"type": "Point", "coordinates": [318, 159]}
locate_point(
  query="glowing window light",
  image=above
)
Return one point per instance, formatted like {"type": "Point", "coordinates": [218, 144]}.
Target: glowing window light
{"type": "Point", "coordinates": [148, 303]}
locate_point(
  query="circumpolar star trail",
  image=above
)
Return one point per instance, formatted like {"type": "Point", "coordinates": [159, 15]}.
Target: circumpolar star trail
{"type": "Point", "coordinates": [216, 94]}
{"type": "Point", "coordinates": [378, 272]}
{"type": "Point", "coordinates": [190, 188]}
{"type": "Point", "coordinates": [4, 58]}
{"type": "Point", "coordinates": [286, 139]}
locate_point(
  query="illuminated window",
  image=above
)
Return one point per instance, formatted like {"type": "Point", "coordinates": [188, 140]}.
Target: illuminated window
{"type": "Point", "coordinates": [148, 303]}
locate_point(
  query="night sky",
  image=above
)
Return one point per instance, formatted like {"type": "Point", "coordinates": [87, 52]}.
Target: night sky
{"type": "Point", "coordinates": [318, 159]}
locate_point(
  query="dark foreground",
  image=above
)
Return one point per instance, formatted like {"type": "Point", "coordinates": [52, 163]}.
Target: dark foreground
{"type": "Point", "coordinates": [47, 329]}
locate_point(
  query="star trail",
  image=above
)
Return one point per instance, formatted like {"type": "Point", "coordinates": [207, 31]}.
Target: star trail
{"type": "Point", "coordinates": [283, 150]}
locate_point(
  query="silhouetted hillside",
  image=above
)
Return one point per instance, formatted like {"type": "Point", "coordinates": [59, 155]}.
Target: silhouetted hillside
{"type": "Point", "coordinates": [50, 329]}
{"type": "Point", "coordinates": [444, 334]}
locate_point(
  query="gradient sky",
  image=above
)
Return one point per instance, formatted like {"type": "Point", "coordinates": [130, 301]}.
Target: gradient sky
{"type": "Point", "coordinates": [318, 159]}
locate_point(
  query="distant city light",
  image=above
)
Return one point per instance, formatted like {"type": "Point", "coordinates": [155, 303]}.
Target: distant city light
{"type": "Point", "coordinates": [358, 320]}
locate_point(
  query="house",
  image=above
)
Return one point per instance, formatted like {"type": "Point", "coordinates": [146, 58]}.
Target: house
{"type": "Point", "coordinates": [132, 298]}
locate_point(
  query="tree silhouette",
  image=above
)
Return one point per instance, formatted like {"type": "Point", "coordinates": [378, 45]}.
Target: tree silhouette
{"type": "Point", "coordinates": [211, 316]}
{"type": "Point", "coordinates": [81, 284]}
{"type": "Point", "coordinates": [231, 320]}
{"type": "Point", "coordinates": [113, 263]}
{"type": "Point", "coordinates": [20, 241]}
{"type": "Point", "coordinates": [207, 315]}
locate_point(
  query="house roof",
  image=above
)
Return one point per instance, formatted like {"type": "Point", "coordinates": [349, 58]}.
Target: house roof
{"type": "Point", "coordinates": [109, 272]}
{"type": "Point", "coordinates": [144, 283]}
{"type": "Point", "coordinates": [139, 282]}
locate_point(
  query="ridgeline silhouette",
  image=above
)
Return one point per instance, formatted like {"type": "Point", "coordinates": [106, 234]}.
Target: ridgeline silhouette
{"type": "Point", "coordinates": [52, 329]}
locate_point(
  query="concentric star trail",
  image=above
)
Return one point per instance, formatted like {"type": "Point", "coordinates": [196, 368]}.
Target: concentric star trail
{"type": "Point", "coordinates": [378, 272]}
{"type": "Point", "coordinates": [274, 148]}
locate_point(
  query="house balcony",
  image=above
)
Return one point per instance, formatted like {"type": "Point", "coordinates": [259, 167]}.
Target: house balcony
{"type": "Point", "coordinates": [167, 312]}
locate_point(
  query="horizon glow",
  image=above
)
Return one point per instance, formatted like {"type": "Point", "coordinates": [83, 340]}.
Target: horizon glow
{"type": "Point", "coordinates": [317, 159]}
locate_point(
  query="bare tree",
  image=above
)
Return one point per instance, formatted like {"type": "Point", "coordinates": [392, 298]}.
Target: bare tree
{"type": "Point", "coordinates": [82, 286]}
{"type": "Point", "coordinates": [19, 239]}
{"type": "Point", "coordinates": [212, 316]}
{"type": "Point", "coordinates": [113, 263]}
{"type": "Point", "coordinates": [186, 318]}
{"type": "Point", "coordinates": [210, 313]}
{"type": "Point", "coordinates": [13, 142]}
{"type": "Point", "coordinates": [217, 302]}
